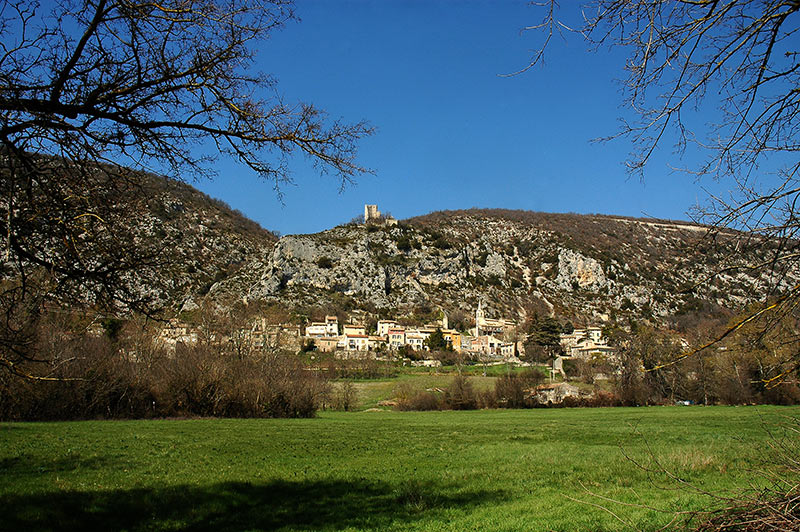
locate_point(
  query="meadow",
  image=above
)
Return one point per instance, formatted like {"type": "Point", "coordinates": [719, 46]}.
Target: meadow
{"type": "Point", "coordinates": [381, 470]}
{"type": "Point", "coordinates": [372, 393]}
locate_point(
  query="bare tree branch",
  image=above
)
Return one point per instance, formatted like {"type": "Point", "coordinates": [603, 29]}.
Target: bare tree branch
{"type": "Point", "coordinates": [90, 86]}
{"type": "Point", "coordinates": [734, 67]}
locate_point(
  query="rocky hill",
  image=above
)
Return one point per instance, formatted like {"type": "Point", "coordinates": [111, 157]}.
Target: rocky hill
{"type": "Point", "coordinates": [204, 239]}
{"type": "Point", "coordinates": [153, 239]}
{"type": "Point", "coordinates": [585, 268]}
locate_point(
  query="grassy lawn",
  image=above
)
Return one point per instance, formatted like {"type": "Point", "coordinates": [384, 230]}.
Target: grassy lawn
{"type": "Point", "coordinates": [370, 392]}
{"type": "Point", "coordinates": [482, 470]}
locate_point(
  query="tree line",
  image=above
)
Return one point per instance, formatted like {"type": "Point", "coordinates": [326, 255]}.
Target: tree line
{"type": "Point", "coordinates": [124, 371]}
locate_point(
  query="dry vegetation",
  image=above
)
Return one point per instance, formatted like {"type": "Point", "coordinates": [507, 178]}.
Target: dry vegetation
{"type": "Point", "coordinates": [125, 372]}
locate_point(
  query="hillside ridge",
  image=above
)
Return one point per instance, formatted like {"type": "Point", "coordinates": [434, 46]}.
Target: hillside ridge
{"type": "Point", "coordinates": [593, 268]}
{"type": "Point", "coordinates": [584, 268]}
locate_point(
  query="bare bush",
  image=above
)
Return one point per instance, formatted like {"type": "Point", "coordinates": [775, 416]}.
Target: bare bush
{"type": "Point", "coordinates": [774, 507]}
{"type": "Point", "coordinates": [509, 391]}
{"type": "Point", "coordinates": [460, 395]}
{"type": "Point", "coordinates": [512, 390]}
{"type": "Point", "coordinates": [345, 397]}
{"type": "Point", "coordinates": [420, 401]}
{"type": "Point", "coordinates": [98, 377]}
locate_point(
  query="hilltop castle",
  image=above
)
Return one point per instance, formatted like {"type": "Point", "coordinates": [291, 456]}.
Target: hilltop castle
{"type": "Point", "coordinates": [373, 215]}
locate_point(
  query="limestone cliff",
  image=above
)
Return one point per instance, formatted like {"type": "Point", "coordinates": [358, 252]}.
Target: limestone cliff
{"type": "Point", "coordinates": [590, 268]}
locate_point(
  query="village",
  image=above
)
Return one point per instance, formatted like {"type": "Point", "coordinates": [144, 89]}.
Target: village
{"type": "Point", "coordinates": [491, 340]}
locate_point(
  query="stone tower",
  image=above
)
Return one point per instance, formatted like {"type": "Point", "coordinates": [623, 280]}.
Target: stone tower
{"type": "Point", "coordinates": [479, 319]}
{"type": "Point", "coordinates": [371, 212]}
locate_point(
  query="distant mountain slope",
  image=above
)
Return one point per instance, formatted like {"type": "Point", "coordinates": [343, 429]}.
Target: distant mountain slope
{"type": "Point", "coordinates": [587, 268]}
{"type": "Point", "coordinates": [170, 241]}
{"type": "Point", "coordinates": [206, 239]}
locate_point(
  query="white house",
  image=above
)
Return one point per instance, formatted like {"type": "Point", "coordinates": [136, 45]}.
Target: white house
{"type": "Point", "coordinates": [416, 339]}
{"type": "Point", "coordinates": [328, 328]}
{"type": "Point", "coordinates": [354, 329]}
{"type": "Point", "coordinates": [385, 325]}
{"type": "Point", "coordinates": [586, 343]}
{"type": "Point", "coordinates": [594, 333]}
{"type": "Point", "coordinates": [356, 342]}
{"type": "Point", "coordinates": [397, 337]}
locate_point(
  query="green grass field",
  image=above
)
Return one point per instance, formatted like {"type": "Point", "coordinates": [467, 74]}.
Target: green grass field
{"type": "Point", "coordinates": [480, 470]}
{"type": "Point", "coordinates": [370, 392]}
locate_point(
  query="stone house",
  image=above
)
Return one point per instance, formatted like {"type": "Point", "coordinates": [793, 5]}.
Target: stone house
{"type": "Point", "coordinates": [396, 338]}
{"type": "Point", "coordinates": [555, 393]}
{"type": "Point", "coordinates": [586, 344]}
{"type": "Point", "coordinates": [270, 335]}
{"type": "Point", "coordinates": [492, 346]}
{"type": "Point", "coordinates": [354, 329]}
{"type": "Point", "coordinates": [176, 332]}
{"type": "Point", "coordinates": [385, 325]}
{"type": "Point", "coordinates": [326, 344]}
{"type": "Point", "coordinates": [328, 328]}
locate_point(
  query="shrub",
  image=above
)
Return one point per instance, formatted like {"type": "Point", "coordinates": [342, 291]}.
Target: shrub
{"type": "Point", "coordinates": [601, 398]}
{"type": "Point", "coordinates": [494, 280]}
{"type": "Point", "coordinates": [509, 391]}
{"type": "Point", "coordinates": [419, 401]}
{"type": "Point", "coordinates": [425, 401]}
{"type": "Point", "coordinates": [442, 243]}
{"type": "Point", "coordinates": [460, 395]}
{"type": "Point", "coordinates": [448, 357]}
{"type": "Point", "coordinates": [404, 243]}
{"type": "Point", "coordinates": [487, 399]}
{"type": "Point", "coordinates": [99, 380]}
{"type": "Point", "coordinates": [345, 397]}
{"type": "Point", "coordinates": [570, 368]}
{"type": "Point", "coordinates": [532, 377]}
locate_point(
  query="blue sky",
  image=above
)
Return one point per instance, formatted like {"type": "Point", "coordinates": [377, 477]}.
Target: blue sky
{"type": "Point", "coordinates": [452, 133]}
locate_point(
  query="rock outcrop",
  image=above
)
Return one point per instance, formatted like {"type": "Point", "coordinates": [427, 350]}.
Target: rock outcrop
{"type": "Point", "coordinates": [583, 267]}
